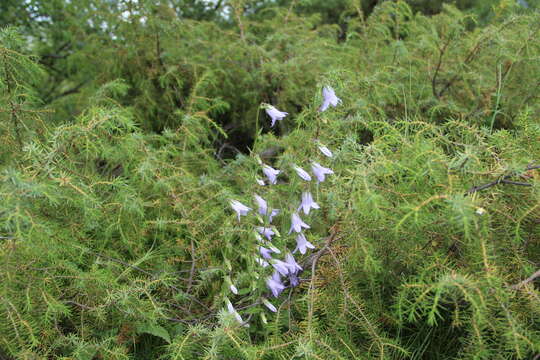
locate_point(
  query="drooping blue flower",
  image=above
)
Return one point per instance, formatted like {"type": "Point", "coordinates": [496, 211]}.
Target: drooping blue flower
{"type": "Point", "coordinates": [240, 208]}
{"type": "Point", "coordinates": [297, 224]}
{"type": "Point", "coordinates": [307, 203]}
{"type": "Point", "coordinates": [302, 173]}
{"type": "Point", "coordinates": [293, 265]}
{"type": "Point", "coordinates": [233, 311]}
{"type": "Point", "coordinates": [302, 244]}
{"type": "Point", "coordinates": [329, 98]}
{"type": "Point", "coordinates": [326, 151]}
{"type": "Point", "coordinates": [275, 114]}
{"type": "Point", "coordinates": [320, 171]}
{"type": "Point", "coordinates": [262, 262]}
{"type": "Point", "coordinates": [266, 232]}
{"type": "Point", "coordinates": [293, 280]}
{"type": "Point", "coordinates": [274, 284]}
{"type": "Point", "coordinates": [263, 207]}
{"type": "Point", "coordinates": [271, 173]}
{"type": "Point", "coordinates": [273, 213]}
{"type": "Point", "coordinates": [266, 253]}
{"type": "Point", "coordinates": [273, 248]}
{"type": "Point", "coordinates": [269, 305]}
{"type": "Point", "coordinates": [281, 266]}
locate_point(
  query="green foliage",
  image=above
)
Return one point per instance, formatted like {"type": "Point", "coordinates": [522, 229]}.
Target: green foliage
{"type": "Point", "coordinates": [131, 127]}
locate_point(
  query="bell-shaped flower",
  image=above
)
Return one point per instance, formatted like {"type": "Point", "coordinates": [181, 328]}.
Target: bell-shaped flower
{"type": "Point", "coordinates": [282, 267]}
{"type": "Point", "coordinates": [293, 280]}
{"type": "Point", "coordinates": [302, 244]}
{"type": "Point", "coordinates": [263, 207]}
{"type": "Point", "coordinates": [266, 253]}
{"type": "Point", "coordinates": [273, 248]}
{"type": "Point", "coordinates": [269, 305]}
{"type": "Point", "coordinates": [293, 265]}
{"type": "Point", "coordinates": [275, 114]}
{"type": "Point", "coordinates": [302, 173]}
{"type": "Point", "coordinates": [233, 311]}
{"type": "Point", "coordinates": [326, 151]}
{"type": "Point", "coordinates": [266, 232]}
{"type": "Point", "coordinates": [234, 290]}
{"type": "Point", "coordinates": [329, 98]}
{"type": "Point", "coordinates": [320, 171]}
{"type": "Point", "coordinates": [275, 285]}
{"type": "Point", "coordinates": [297, 224]}
{"type": "Point", "coordinates": [240, 208]}
{"type": "Point", "coordinates": [307, 203]}
{"type": "Point", "coordinates": [271, 173]}
{"type": "Point", "coordinates": [262, 262]}
{"type": "Point", "coordinates": [273, 213]}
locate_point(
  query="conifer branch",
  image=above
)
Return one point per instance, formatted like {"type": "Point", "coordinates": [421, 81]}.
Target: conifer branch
{"type": "Point", "coordinates": [503, 180]}
{"type": "Point", "coordinates": [526, 281]}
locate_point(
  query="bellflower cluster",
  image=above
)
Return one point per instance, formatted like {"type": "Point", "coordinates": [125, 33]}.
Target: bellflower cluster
{"type": "Point", "coordinates": [286, 270]}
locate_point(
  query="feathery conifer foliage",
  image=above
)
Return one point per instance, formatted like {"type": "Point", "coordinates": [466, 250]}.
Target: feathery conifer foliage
{"type": "Point", "coordinates": [127, 126]}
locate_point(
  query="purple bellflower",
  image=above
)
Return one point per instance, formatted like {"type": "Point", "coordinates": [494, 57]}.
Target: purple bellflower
{"type": "Point", "coordinates": [240, 208]}
{"type": "Point", "coordinates": [274, 284]}
{"type": "Point", "coordinates": [275, 114]}
{"type": "Point", "coordinates": [262, 262]}
{"type": "Point", "coordinates": [308, 203]}
{"type": "Point", "coordinates": [233, 311]}
{"type": "Point", "coordinates": [273, 213]}
{"type": "Point", "coordinates": [293, 280]}
{"type": "Point", "coordinates": [263, 206]}
{"type": "Point", "coordinates": [326, 151]}
{"type": "Point", "coordinates": [259, 238]}
{"type": "Point", "coordinates": [266, 232]}
{"type": "Point", "coordinates": [302, 244]}
{"type": "Point", "coordinates": [282, 267]}
{"type": "Point", "coordinates": [269, 305]}
{"type": "Point", "coordinates": [273, 248]}
{"type": "Point", "coordinates": [297, 224]}
{"type": "Point", "coordinates": [329, 98]}
{"type": "Point", "coordinates": [320, 171]}
{"type": "Point", "coordinates": [302, 173]}
{"type": "Point", "coordinates": [271, 173]}
{"type": "Point", "coordinates": [266, 253]}
{"type": "Point", "coordinates": [293, 265]}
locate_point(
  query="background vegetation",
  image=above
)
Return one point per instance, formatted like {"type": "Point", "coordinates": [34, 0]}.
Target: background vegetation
{"type": "Point", "coordinates": [126, 126]}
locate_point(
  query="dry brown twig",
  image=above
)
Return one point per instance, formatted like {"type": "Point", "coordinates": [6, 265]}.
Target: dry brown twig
{"type": "Point", "coordinates": [526, 281]}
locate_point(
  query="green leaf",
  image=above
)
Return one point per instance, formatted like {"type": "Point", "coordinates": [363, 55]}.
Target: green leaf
{"type": "Point", "coordinates": [155, 330]}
